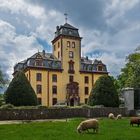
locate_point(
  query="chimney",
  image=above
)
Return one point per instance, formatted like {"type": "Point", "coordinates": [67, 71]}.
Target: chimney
{"type": "Point", "coordinates": [86, 57]}
{"type": "Point", "coordinates": [43, 52]}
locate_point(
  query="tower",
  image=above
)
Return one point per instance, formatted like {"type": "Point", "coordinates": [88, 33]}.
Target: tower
{"type": "Point", "coordinates": [67, 48]}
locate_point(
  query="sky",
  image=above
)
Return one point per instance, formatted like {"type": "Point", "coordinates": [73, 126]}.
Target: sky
{"type": "Point", "coordinates": [110, 29]}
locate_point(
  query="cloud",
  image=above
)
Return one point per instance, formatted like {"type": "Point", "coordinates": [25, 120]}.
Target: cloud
{"type": "Point", "coordinates": [110, 29]}
{"type": "Point", "coordinates": [14, 48]}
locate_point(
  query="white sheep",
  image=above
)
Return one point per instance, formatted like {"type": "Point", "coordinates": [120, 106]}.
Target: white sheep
{"type": "Point", "coordinates": [111, 116]}
{"type": "Point", "coordinates": [119, 116]}
{"type": "Point", "coordinates": [88, 124]}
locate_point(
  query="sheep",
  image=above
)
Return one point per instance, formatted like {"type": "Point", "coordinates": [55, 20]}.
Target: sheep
{"type": "Point", "coordinates": [135, 120]}
{"type": "Point", "coordinates": [111, 116]}
{"type": "Point", "coordinates": [88, 124]}
{"type": "Point", "coordinates": [119, 116]}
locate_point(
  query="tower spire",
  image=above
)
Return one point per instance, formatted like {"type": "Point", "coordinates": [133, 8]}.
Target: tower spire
{"type": "Point", "coordinates": [66, 17]}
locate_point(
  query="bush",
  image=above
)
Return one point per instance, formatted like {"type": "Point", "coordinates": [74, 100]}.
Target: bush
{"type": "Point", "coordinates": [20, 92]}
{"type": "Point", "coordinates": [7, 106]}
{"type": "Point", "coordinates": [104, 93]}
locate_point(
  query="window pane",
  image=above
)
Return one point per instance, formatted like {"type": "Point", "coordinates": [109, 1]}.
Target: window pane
{"type": "Point", "coordinates": [70, 78]}
{"type": "Point", "coordinates": [39, 101]}
{"type": "Point", "coordinates": [38, 77]}
{"type": "Point", "coordinates": [73, 44]}
{"type": "Point", "coordinates": [86, 90]}
{"type": "Point", "coordinates": [86, 79]}
{"type": "Point", "coordinates": [86, 100]}
{"type": "Point", "coordinates": [68, 43]}
{"type": "Point", "coordinates": [54, 78]}
{"type": "Point", "coordinates": [54, 89]}
{"type": "Point", "coordinates": [99, 68]}
{"type": "Point", "coordinates": [54, 101]}
{"type": "Point", "coordinates": [71, 54]}
{"type": "Point", "coordinates": [39, 89]}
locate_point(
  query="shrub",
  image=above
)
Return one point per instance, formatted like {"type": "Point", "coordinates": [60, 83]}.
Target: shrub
{"type": "Point", "coordinates": [7, 106]}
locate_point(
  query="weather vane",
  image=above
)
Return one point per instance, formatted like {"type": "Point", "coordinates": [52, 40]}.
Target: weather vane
{"type": "Point", "coordinates": [66, 17]}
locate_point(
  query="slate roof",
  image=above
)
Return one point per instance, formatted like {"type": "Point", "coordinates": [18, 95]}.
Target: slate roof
{"type": "Point", "coordinates": [40, 60]}
{"type": "Point", "coordinates": [49, 61]}
{"type": "Point", "coordinates": [67, 30]}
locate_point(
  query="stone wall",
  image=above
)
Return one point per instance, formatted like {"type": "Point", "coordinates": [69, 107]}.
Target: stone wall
{"type": "Point", "coordinates": [58, 113]}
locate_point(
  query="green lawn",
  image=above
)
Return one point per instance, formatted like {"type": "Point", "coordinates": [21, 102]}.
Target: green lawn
{"type": "Point", "coordinates": [109, 130]}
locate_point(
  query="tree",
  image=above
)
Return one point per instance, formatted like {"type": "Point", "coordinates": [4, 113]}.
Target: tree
{"type": "Point", "coordinates": [104, 93]}
{"type": "Point", "coordinates": [2, 79]}
{"type": "Point", "coordinates": [20, 92]}
{"type": "Point", "coordinates": [130, 74]}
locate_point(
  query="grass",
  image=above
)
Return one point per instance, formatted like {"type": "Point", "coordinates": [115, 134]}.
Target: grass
{"type": "Point", "coordinates": [109, 130]}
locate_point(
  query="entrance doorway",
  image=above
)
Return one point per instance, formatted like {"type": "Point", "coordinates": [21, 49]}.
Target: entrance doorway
{"type": "Point", "coordinates": [72, 94]}
{"type": "Point", "coordinates": [71, 102]}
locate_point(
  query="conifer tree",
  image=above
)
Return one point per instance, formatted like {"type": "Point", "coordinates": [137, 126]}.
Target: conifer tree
{"type": "Point", "coordinates": [20, 92]}
{"type": "Point", "coordinates": [104, 93]}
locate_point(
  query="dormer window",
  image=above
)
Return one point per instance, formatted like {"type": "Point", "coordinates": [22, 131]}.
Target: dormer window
{"type": "Point", "coordinates": [68, 43]}
{"type": "Point", "coordinates": [39, 62]}
{"type": "Point", "coordinates": [100, 68]}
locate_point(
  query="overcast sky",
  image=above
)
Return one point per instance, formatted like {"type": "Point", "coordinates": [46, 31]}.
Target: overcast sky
{"type": "Point", "coordinates": [110, 29]}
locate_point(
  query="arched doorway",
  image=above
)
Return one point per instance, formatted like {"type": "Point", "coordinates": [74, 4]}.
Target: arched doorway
{"type": "Point", "coordinates": [73, 94]}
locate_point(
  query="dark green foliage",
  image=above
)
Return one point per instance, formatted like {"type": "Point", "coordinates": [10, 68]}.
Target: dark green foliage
{"type": "Point", "coordinates": [20, 92]}
{"type": "Point", "coordinates": [104, 93]}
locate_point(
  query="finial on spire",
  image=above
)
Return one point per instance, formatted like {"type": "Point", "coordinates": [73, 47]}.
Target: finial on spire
{"type": "Point", "coordinates": [66, 17]}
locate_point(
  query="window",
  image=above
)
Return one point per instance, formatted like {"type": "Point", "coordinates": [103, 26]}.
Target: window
{"type": "Point", "coordinates": [54, 101]}
{"type": "Point", "coordinates": [54, 78]}
{"type": "Point", "coordinates": [38, 89]}
{"type": "Point", "coordinates": [38, 62]}
{"type": "Point", "coordinates": [71, 67]}
{"type": "Point", "coordinates": [99, 68]}
{"type": "Point", "coordinates": [39, 101]}
{"type": "Point", "coordinates": [86, 100]}
{"type": "Point", "coordinates": [70, 78]}
{"type": "Point", "coordinates": [71, 54]}
{"type": "Point", "coordinates": [38, 77]}
{"type": "Point", "coordinates": [54, 89]}
{"type": "Point", "coordinates": [58, 44]}
{"type": "Point", "coordinates": [73, 44]}
{"type": "Point", "coordinates": [86, 90]}
{"type": "Point", "coordinates": [86, 79]}
{"type": "Point", "coordinates": [68, 43]}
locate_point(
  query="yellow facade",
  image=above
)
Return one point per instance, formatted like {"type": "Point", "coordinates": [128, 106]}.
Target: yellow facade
{"type": "Point", "coordinates": [67, 49]}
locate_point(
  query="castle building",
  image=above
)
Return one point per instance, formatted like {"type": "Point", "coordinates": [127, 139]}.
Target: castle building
{"type": "Point", "coordinates": [62, 76]}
